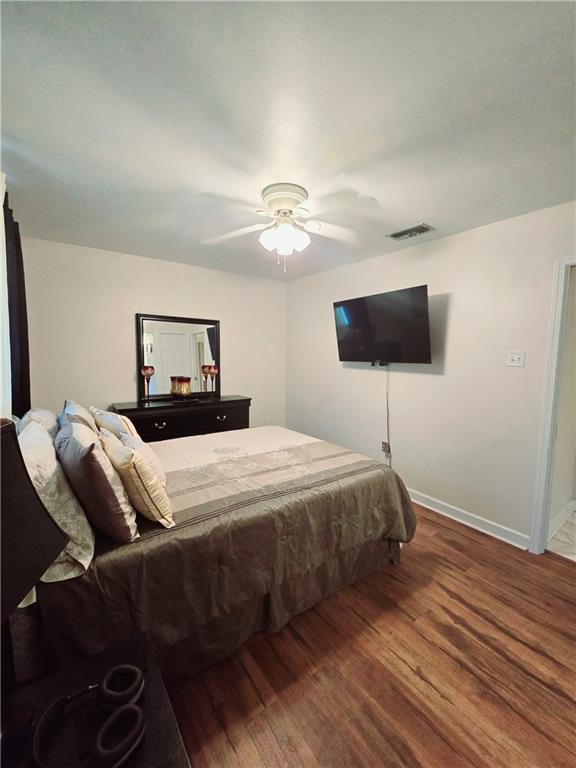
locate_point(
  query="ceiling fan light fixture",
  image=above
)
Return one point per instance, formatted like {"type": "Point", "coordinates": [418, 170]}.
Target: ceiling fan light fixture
{"type": "Point", "coordinates": [289, 226]}
{"type": "Point", "coordinates": [286, 235]}
{"type": "Point", "coordinates": [285, 238]}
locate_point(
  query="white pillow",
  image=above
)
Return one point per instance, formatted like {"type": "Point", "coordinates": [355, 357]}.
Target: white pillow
{"type": "Point", "coordinates": [47, 419]}
{"type": "Point", "coordinates": [74, 413]}
{"type": "Point", "coordinates": [113, 422]}
{"type": "Point", "coordinates": [147, 451]}
{"type": "Point", "coordinates": [49, 480]}
{"type": "Point", "coordinates": [143, 487]}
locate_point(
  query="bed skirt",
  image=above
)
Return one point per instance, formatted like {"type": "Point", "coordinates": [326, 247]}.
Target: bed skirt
{"type": "Point", "coordinates": [39, 648]}
{"type": "Point", "coordinates": [220, 637]}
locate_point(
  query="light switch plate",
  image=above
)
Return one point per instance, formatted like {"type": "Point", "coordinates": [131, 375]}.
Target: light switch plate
{"type": "Point", "coordinates": [516, 358]}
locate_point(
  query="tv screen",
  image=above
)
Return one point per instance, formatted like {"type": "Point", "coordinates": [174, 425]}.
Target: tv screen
{"type": "Point", "coordinates": [388, 327]}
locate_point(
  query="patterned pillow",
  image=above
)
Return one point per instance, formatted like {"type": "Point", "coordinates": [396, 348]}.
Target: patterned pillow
{"type": "Point", "coordinates": [96, 483]}
{"type": "Point", "coordinates": [47, 419]}
{"type": "Point", "coordinates": [113, 422]}
{"type": "Point", "coordinates": [144, 489]}
{"type": "Point", "coordinates": [48, 478]}
{"type": "Point", "coordinates": [73, 413]}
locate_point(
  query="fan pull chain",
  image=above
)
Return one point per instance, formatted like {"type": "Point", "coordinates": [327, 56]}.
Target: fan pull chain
{"type": "Point", "coordinates": [284, 262]}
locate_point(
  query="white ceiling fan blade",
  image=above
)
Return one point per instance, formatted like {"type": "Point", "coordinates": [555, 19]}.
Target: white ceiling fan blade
{"type": "Point", "coordinates": [236, 233]}
{"type": "Point", "coordinates": [332, 231]}
{"type": "Point", "coordinates": [347, 200]}
{"type": "Point", "coordinates": [223, 200]}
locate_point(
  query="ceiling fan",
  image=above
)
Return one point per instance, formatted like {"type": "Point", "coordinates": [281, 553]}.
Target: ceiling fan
{"type": "Point", "coordinates": [290, 224]}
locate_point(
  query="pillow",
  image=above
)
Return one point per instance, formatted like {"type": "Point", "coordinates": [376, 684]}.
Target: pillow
{"type": "Point", "coordinates": [144, 489]}
{"type": "Point", "coordinates": [113, 422]}
{"type": "Point", "coordinates": [47, 419]}
{"type": "Point", "coordinates": [73, 413]}
{"type": "Point", "coordinates": [124, 429]}
{"type": "Point", "coordinates": [96, 483]}
{"type": "Point", "coordinates": [148, 452]}
{"type": "Point", "coordinates": [49, 480]}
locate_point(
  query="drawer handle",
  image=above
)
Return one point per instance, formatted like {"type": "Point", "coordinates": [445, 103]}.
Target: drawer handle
{"type": "Point", "coordinates": [222, 418]}
{"type": "Point", "coordinates": [160, 426]}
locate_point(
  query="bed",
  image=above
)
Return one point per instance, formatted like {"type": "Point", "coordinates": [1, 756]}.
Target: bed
{"type": "Point", "coordinates": [268, 522]}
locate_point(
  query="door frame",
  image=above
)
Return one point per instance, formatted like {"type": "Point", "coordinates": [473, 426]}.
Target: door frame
{"type": "Point", "coordinates": [547, 435]}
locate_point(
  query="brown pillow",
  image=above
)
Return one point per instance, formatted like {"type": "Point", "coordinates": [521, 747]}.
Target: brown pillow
{"type": "Point", "coordinates": [96, 483]}
{"type": "Point", "coordinates": [74, 413]}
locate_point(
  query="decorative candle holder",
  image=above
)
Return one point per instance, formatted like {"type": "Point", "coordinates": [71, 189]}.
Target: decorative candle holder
{"type": "Point", "coordinates": [213, 373]}
{"type": "Point", "coordinates": [180, 386]}
{"type": "Point", "coordinates": [147, 371]}
{"type": "Point", "coordinates": [205, 373]}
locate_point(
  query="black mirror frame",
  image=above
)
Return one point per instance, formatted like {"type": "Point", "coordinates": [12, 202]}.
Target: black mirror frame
{"type": "Point", "coordinates": [170, 319]}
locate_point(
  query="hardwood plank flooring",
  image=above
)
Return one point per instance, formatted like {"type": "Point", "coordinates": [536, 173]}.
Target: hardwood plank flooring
{"type": "Point", "coordinates": [464, 654]}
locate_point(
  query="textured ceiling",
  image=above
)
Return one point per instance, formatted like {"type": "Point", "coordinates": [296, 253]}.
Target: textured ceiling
{"type": "Point", "coordinates": [150, 128]}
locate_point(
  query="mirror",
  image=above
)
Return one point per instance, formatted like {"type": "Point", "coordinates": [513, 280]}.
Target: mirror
{"type": "Point", "coordinates": [180, 355]}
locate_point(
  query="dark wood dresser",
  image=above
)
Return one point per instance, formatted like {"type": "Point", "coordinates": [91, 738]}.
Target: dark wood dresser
{"type": "Point", "coordinates": [165, 419]}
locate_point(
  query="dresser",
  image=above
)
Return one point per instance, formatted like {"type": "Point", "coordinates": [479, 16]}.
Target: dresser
{"type": "Point", "coordinates": [166, 419]}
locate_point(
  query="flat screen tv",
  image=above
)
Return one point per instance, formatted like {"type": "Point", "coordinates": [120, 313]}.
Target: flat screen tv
{"type": "Point", "coordinates": [388, 327]}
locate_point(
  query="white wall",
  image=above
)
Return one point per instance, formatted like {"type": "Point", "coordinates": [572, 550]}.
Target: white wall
{"type": "Point", "coordinates": [81, 307]}
{"type": "Point", "coordinates": [465, 429]}
{"type": "Point", "coordinates": [563, 484]}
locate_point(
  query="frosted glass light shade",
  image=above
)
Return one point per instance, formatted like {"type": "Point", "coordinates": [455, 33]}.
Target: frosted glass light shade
{"type": "Point", "coordinates": [301, 240]}
{"type": "Point", "coordinates": [285, 238]}
{"type": "Point", "coordinates": [268, 238]}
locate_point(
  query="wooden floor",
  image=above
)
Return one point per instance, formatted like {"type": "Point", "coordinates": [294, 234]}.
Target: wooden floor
{"type": "Point", "coordinates": [462, 655]}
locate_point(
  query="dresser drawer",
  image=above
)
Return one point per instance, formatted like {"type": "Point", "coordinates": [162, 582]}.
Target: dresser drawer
{"type": "Point", "coordinates": [219, 420]}
{"type": "Point", "coordinates": [165, 425]}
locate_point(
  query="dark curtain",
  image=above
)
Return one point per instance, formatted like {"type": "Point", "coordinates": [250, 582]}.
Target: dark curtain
{"type": "Point", "coordinates": [211, 333]}
{"type": "Point", "coordinates": [19, 352]}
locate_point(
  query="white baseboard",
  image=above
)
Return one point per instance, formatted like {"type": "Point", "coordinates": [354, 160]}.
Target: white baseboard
{"type": "Point", "coordinates": [508, 535]}
{"type": "Point", "coordinates": [560, 518]}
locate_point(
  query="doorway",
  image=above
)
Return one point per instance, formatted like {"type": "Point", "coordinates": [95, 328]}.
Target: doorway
{"type": "Point", "coordinates": [562, 500]}
{"type": "Point", "coordinates": [555, 491]}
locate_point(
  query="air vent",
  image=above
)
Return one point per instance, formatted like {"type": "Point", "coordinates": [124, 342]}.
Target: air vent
{"type": "Point", "coordinates": [406, 234]}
